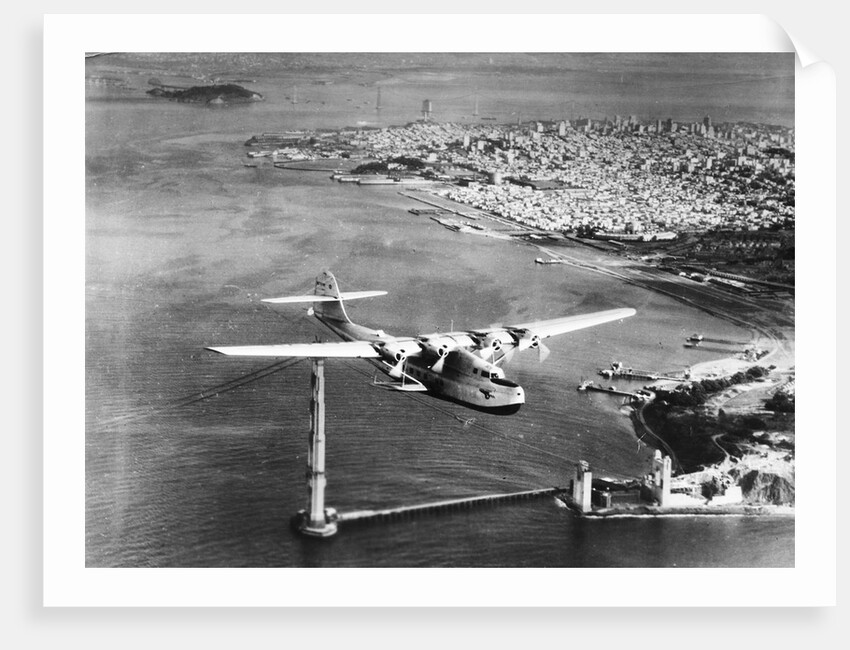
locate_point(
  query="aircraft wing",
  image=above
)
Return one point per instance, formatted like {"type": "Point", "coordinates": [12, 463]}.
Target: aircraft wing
{"type": "Point", "coordinates": [348, 295]}
{"type": "Point", "coordinates": [345, 349]}
{"type": "Point", "coordinates": [546, 328]}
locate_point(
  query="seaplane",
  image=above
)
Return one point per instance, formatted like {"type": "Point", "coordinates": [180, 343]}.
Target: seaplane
{"type": "Point", "coordinates": [463, 367]}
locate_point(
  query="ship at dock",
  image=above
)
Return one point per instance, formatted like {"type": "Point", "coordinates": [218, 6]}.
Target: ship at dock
{"type": "Point", "coordinates": [618, 369]}
{"type": "Point", "coordinates": [640, 395]}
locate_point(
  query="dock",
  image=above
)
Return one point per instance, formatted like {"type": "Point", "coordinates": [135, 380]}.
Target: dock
{"type": "Point", "coordinates": [403, 512]}
{"type": "Point", "coordinates": [618, 370]}
{"type": "Point", "coordinates": [642, 396]}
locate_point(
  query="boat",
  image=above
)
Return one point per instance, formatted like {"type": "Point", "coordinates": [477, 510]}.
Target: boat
{"type": "Point", "coordinates": [695, 338]}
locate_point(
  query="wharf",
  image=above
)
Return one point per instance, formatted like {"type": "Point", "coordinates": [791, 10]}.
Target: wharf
{"type": "Point", "coordinates": [589, 385]}
{"type": "Point", "coordinates": [299, 166]}
{"type": "Point", "coordinates": [440, 506]}
{"type": "Point", "coordinates": [618, 370]}
{"type": "Point", "coordinates": [444, 206]}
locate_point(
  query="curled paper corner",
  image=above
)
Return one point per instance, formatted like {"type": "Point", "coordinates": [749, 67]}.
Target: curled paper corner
{"type": "Point", "coordinates": [805, 56]}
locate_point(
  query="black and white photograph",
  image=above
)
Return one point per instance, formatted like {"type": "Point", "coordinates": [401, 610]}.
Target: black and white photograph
{"type": "Point", "coordinates": [452, 310]}
{"type": "Point", "coordinates": [439, 307]}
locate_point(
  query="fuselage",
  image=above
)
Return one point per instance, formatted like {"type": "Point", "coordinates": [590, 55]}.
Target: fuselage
{"type": "Point", "coordinates": [442, 364]}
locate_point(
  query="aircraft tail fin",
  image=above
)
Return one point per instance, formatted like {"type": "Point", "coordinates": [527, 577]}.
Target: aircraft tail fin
{"type": "Point", "coordinates": [327, 299]}
{"type": "Point", "coordinates": [326, 285]}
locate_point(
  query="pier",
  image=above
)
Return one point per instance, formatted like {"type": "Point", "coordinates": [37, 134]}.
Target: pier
{"type": "Point", "coordinates": [403, 512]}
{"type": "Point", "coordinates": [639, 396]}
{"type": "Point", "coordinates": [618, 370]}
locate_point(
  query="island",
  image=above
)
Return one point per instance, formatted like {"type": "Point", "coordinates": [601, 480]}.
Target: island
{"type": "Point", "coordinates": [215, 94]}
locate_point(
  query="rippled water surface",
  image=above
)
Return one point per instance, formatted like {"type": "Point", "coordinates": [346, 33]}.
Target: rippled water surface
{"type": "Point", "coordinates": [191, 460]}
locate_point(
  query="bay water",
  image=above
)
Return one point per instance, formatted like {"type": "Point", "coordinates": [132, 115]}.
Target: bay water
{"type": "Point", "coordinates": [192, 460]}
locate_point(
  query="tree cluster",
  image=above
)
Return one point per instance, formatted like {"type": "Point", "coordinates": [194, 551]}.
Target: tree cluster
{"type": "Point", "coordinates": [780, 402]}
{"type": "Point", "coordinates": [697, 392]}
{"type": "Point", "coordinates": [384, 166]}
{"type": "Point", "coordinates": [586, 231]}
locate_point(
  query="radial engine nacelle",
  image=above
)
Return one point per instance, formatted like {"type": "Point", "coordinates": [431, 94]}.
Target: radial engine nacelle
{"type": "Point", "coordinates": [394, 353]}
{"type": "Point", "coordinates": [437, 349]}
{"type": "Point", "coordinates": [492, 342]}
{"type": "Point", "coordinates": [525, 339]}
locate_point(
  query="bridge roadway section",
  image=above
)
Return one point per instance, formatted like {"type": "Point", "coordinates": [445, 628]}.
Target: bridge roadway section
{"type": "Point", "coordinates": [440, 506]}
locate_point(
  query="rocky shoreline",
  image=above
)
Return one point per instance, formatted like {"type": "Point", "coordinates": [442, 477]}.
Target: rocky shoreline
{"type": "Point", "coordinates": [730, 439]}
{"type": "Point", "coordinates": [692, 511]}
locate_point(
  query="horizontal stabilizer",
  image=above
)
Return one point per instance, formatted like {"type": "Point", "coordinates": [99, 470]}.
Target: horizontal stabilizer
{"type": "Point", "coordinates": [347, 295]}
{"type": "Point", "coordinates": [346, 349]}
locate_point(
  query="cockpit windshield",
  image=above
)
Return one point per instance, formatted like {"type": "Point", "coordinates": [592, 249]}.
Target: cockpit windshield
{"type": "Point", "coordinates": [501, 381]}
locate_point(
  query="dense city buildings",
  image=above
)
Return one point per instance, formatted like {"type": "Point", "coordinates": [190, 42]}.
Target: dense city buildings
{"type": "Point", "coordinates": [617, 178]}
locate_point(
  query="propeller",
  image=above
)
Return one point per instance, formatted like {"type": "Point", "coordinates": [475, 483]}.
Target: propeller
{"type": "Point", "coordinates": [526, 339]}
{"type": "Point", "coordinates": [488, 345]}
{"type": "Point", "coordinates": [441, 352]}
{"type": "Point", "coordinates": [395, 355]}
{"type": "Point", "coordinates": [506, 356]}
{"type": "Point", "coordinates": [523, 339]}
{"type": "Point", "coordinates": [397, 370]}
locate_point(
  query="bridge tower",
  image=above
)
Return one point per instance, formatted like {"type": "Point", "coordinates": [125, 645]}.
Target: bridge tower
{"type": "Point", "coordinates": [583, 486]}
{"type": "Point", "coordinates": [316, 520]}
{"type": "Point", "coordinates": [661, 476]}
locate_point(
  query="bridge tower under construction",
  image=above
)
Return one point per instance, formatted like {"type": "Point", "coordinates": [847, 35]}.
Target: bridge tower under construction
{"type": "Point", "coordinates": [317, 520]}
